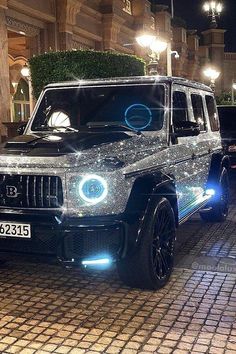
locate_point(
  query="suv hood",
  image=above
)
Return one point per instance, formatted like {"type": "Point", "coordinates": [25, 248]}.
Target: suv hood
{"type": "Point", "coordinates": [75, 149]}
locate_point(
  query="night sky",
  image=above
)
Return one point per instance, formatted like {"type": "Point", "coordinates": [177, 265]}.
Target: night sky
{"type": "Point", "coordinates": [191, 11]}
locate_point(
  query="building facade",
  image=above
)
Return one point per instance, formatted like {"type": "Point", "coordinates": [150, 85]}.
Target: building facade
{"type": "Point", "coordinates": [31, 27]}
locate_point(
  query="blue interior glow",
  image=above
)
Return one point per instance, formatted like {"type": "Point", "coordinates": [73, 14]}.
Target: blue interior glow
{"type": "Point", "coordinates": [138, 116]}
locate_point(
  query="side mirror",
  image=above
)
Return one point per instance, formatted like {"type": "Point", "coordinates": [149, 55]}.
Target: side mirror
{"type": "Point", "coordinates": [21, 129]}
{"type": "Point", "coordinates": [186, 128]}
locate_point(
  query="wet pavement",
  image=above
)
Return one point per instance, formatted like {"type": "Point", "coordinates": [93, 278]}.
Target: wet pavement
{"type": "Point", "coordinates": [45, 308]}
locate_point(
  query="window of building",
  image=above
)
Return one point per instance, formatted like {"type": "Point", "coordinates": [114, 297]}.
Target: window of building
{"type": "Point", "coordinates": [198, 111]}
{"type": "Point", "coordinates": [127, 7]}
{"type": "Point", "coordinates": [212, 113]}
{"type": "Point", "coordinates": [21, 102]}
{"type": "Point", "coordinates": [180, 107]}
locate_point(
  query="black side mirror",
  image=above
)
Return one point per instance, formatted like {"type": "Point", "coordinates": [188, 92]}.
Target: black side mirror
{"type": "Point", "coordinates": [21, 129]}
{"type": "Point", "coordinates": [186, 128]}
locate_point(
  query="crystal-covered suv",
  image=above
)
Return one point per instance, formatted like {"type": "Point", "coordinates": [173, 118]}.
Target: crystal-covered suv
{"type": "Point", "coordinates": [106, 170]}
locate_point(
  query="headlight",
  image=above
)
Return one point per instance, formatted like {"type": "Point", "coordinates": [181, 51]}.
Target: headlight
{"type": "Point", "coordinates": [93, 189]}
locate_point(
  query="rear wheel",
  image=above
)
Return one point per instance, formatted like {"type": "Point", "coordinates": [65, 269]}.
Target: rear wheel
{"type": "Point", "coordinates": [218, 209]}
{"type": "Point", "coordinates": [151, 265]}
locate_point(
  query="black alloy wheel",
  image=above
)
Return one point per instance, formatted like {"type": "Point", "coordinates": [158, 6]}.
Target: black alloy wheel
{"type": "Point", "coordinates": [163, 244]}
{"type": "Point", "coordinates": [151, 264]}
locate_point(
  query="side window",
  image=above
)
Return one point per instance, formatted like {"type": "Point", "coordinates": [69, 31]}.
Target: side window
{"type": "Point", "coordinates": [212, 112]}
{"type": "Point", "coordinates": [198, 111]}
{"type": "Point", "coordinates": [180, 107]}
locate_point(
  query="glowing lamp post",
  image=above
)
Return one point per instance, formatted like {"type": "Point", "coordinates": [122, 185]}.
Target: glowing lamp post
{"type": "Point", "coordinates": [156, 46]}
{"type": "Point", "coordinates": [25, 72]}
{"type": "Point", "coordinates": [212, 75]}
{"type": "Point", "coordinates": [233, 88]}
{"type": "Point", "coordinates": [213, 9]}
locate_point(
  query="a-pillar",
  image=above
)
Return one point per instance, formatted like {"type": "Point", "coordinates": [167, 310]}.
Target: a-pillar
{"type": "Point", "coordinates": [4, 68]}
{"type": "Point", "coordinates": [214, 40]}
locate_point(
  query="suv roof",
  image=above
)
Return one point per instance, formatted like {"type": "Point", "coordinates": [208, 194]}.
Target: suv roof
{"type": "Point", "coordinates": [134, 79]}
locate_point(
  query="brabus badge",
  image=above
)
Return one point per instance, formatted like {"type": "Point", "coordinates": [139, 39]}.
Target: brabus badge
{"type": "Point", "coordinates": [11, 192]}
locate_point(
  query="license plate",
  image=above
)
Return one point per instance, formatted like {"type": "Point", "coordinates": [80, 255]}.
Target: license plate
{"type": "Point", "coordinates": [9, 229]}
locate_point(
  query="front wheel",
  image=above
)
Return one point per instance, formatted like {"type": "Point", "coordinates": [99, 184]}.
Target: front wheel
{"type": "Point", "coordinates": [152, 262]}
{"type": "Point", "coordinates": [219, 206]}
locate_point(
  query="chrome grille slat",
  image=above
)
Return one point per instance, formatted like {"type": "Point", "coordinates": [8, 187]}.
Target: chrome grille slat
{"type": "Point", "coordinates": [33, 191]}
{"type": "Point", "coordinates": [41, 191]}
{"type": "Point", "coordinates": [49, 191]}
{"type": "Point", "coordinates": [27, 191]}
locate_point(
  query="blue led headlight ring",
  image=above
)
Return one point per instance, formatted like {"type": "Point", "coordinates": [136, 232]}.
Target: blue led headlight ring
{"type": "Point", "coordinates": [93, 189]}
{"type": "Point", "coordinates": [135, 107]}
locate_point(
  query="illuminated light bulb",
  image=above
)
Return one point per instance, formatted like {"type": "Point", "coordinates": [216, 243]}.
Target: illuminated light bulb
{"type": "Point", "coordinates": [145, 40]}
{"type": "Point", "coordinates": [213, 5]}
{"type": "Point", "coordinates": [25, 71]}
{"type": "Point", "coordinates": [211, 73]}
{"type": "Point", "coordinates": [158, 46]}
{"type": "Point", "coordinates": [219, 8]}
{"type": "Point", "coordinates": [206, 7]}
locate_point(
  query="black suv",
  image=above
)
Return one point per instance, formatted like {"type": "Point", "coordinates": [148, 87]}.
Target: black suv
{"type": "Point", "coordinates": [106, 170]}
{"type": "Point", "coordinates": [227, 115]}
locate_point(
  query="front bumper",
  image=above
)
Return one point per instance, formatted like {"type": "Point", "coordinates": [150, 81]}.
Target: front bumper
{"type": "Point", "coordinates": [69, 239]}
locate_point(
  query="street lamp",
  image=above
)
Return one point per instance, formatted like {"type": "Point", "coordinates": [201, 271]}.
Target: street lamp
{"type": "Point", "coordinates": [212, 74]}
{"type": "Point", "coordinates": [156, 46]}
{"type": "Point", "coordinates": [25, 72]}
{"type": "Point", "coordinates": [233, 88]}
{"type": "Point", "coordinates": [213, 10]}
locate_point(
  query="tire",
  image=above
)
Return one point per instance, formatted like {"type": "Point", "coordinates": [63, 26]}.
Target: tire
{"type": "Point", "coordinates": [218, 209]}
{"type": "Point", "coordinates": [150, 266]}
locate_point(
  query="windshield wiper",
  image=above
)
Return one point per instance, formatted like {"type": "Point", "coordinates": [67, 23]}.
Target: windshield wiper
{"type": "Point", "coordinates": [110, 125]}
{"type": "Point", "coordinates": [58, 129]}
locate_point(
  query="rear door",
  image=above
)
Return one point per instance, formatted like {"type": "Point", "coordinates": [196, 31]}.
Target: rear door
{"type": "Point", "coordinates": [189, 184]}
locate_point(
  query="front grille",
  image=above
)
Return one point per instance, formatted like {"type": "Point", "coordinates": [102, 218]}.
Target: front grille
{"type": "Point", "coordinates": [30, 191]}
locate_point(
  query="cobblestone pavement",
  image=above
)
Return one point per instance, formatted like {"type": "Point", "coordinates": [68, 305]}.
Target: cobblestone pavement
{"type": "Point", "coordinates": [47, 309]}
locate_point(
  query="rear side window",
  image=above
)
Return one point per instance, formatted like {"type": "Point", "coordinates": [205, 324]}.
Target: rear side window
{"type": "Point", "coordinates": [198, 111]}
{"type": "Point", "coordinates": [212, 112]}
{"type": "Point", "coordinates": [180, 107]}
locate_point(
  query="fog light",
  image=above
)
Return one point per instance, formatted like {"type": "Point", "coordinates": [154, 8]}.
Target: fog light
{"type": "Point", "coordinates": [91, 262]}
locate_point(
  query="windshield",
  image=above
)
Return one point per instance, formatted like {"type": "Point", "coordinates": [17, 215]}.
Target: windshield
{"type": "Point", "coordinates": [139, 107]}
{"type": "Point", "coordinates": [227, 117]}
